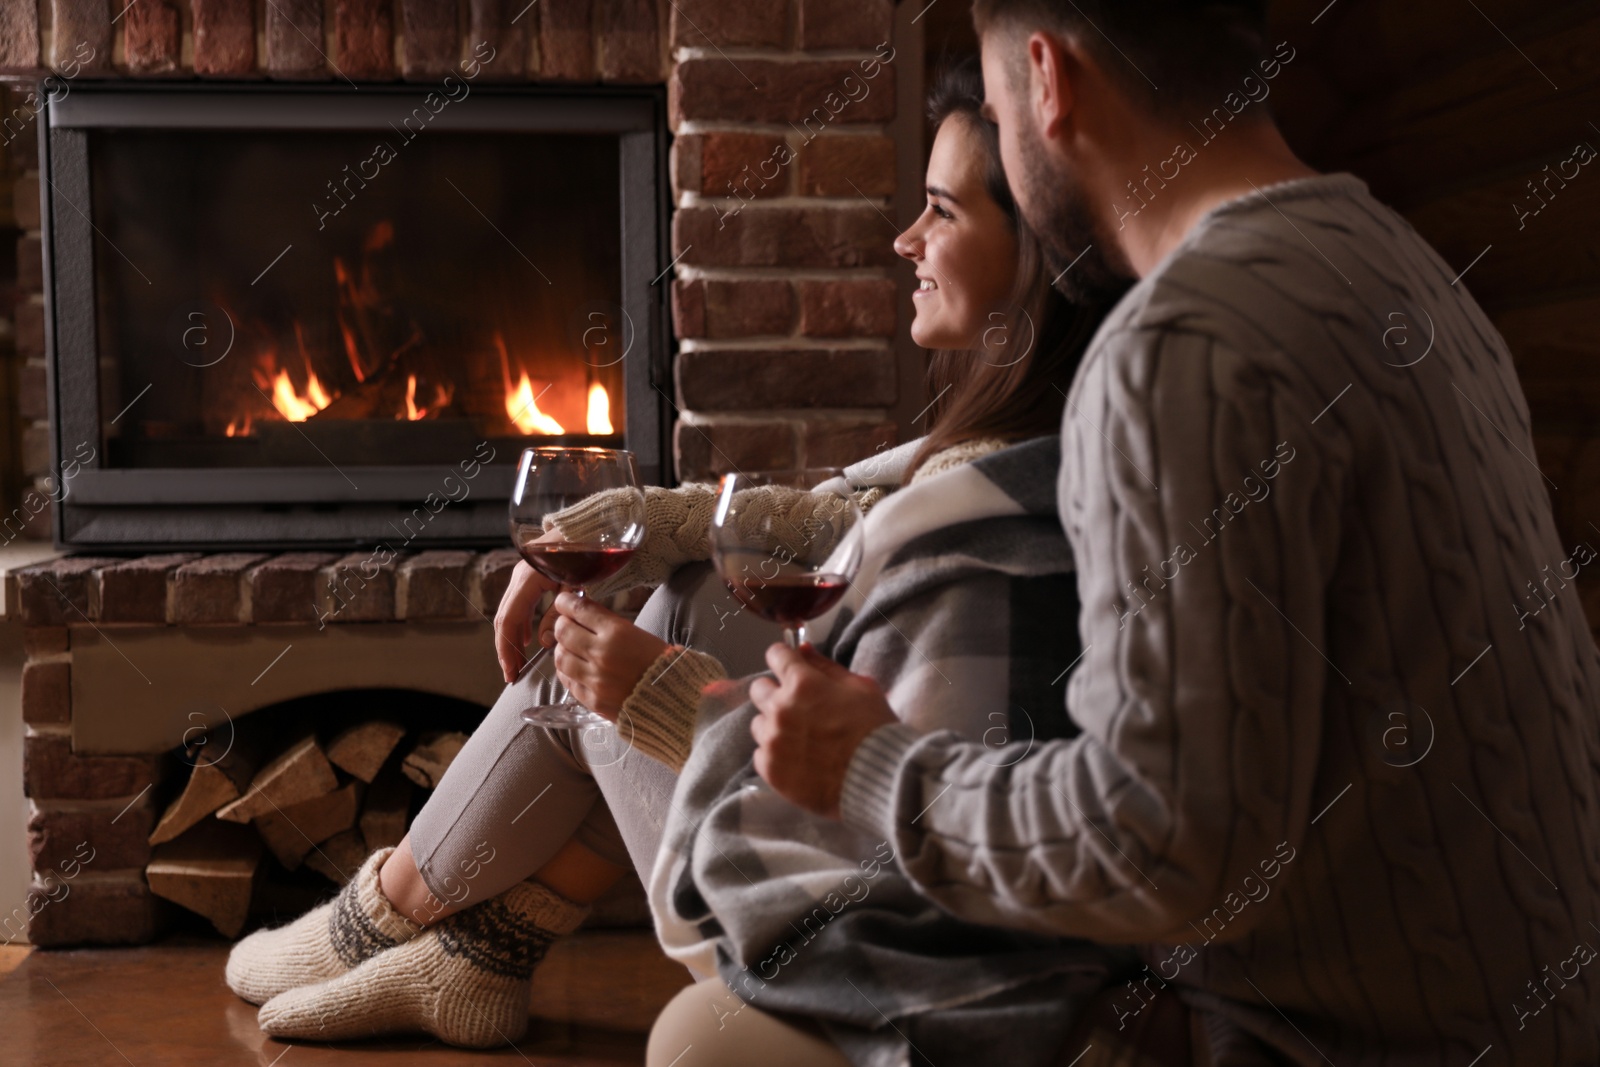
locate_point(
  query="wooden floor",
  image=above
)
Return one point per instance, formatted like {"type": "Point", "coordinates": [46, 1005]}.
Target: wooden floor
{"type": "Point", "coordinates": [166, 1006]}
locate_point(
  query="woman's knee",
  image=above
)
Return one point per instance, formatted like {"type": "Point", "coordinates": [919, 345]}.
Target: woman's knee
{"type": "Point", "coordinates": [695, 609]}
{"type": "Point", "coordinates": [707, 1025]}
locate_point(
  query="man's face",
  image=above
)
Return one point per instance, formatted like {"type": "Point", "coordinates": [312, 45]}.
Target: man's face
{"type": "Point", "coordinates": [1052, 201]}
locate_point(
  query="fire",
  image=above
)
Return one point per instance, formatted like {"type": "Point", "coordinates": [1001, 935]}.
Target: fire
{"type": "Point", "coordinates": [294, 406]}
{"type": "Point", "coordinates": [441, 397]}
{"type": "Point", "coordinates": [413, 413]}
{"type": "Point", "coordinates": [599, 422]}
{"type": "Point", "coordinates": [523, 407]}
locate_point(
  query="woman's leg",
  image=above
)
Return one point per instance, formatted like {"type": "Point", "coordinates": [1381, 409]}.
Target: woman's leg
{"type": "Point", "coordinates": [518, 792]}
{"type": "Point", "coordinates": [706, 1025]}
{"type": "Point", "coordinates": [512, 800]}
{"type": "Point", "coordinates": [517, 802]}
{"type": "Point", "coordinates": [509, 805]}
{"type": "Point", "coordinates": [693, 609]}
{"type": "Point", "coordinates": [502, 861]}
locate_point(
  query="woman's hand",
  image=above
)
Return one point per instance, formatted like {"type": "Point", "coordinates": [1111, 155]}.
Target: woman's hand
{"type": "Point", "coordinates": [513, 622]}
{"type": "Point", "coordinates": [600, 656]}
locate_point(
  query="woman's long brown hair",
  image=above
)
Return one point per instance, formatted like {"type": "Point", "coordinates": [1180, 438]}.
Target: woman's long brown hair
{"type": "Point", "coordinates": [1012, 383]}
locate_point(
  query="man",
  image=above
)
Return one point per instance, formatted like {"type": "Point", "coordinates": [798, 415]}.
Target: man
{"type": "Point", "coordinates": [1340, 775]}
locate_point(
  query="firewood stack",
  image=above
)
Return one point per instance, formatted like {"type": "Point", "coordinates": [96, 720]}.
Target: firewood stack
{"type": "Point", "coordinates": [319, 806]}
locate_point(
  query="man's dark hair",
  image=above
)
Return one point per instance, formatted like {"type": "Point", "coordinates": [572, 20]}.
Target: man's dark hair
{"type": "Point", "coordinates": [1169, 53]}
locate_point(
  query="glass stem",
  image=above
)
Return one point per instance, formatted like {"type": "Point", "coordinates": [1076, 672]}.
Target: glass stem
{"type": "Point", "coordinates": [795, 636]}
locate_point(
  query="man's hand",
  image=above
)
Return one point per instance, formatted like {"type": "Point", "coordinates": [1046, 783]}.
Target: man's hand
{"type": "Point", "coordinates": [600, 656]}
{"type": "Point", "coordinates": [813, 718]}
{"type": "Point", "coordinates": [513, 623]}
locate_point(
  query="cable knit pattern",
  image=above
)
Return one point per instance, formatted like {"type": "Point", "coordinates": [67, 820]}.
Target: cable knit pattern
{"type": "Point", "coordinates": [678, 525]}
{"type": "Point", "coordinates": [659, 715]}
{"type": "Point", "coordinates": [1334, 750]}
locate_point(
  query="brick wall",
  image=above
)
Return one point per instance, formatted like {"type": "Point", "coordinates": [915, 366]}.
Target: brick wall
{"type": "Point", "coordinates": [783, 177]}
{"type": "Point", "coordinates": [783, 173]}
{"type": "Point", "coordinates": [24, 452]}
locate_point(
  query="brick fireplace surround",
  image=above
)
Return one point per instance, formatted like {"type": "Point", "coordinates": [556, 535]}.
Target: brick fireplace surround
{"type": "Point", "coordinates": [783, 304]}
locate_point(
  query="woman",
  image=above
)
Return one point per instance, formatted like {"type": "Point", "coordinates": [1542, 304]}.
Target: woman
{"type": "Point", "coordinates": [442, 933]}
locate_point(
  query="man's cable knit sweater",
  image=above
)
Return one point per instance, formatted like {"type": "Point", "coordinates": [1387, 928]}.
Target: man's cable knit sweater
{"type": "Point", "coordinates": [1340, 775]}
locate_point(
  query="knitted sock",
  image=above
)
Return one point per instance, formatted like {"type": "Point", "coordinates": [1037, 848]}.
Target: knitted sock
{"type": "Point", "coordinates": [324, 942]}
{"type": "Point", "coordinates": [465, 981]}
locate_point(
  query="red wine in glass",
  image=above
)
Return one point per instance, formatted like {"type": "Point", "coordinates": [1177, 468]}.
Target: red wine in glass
{"type": "Point", "coordinates": [789, 599]}
{"type": "Point", "coordinates": [575, 565]}
{"type": "Point", "coordinates": [788, 560]}
{"type": "Point", "coordinates": [550, 481]}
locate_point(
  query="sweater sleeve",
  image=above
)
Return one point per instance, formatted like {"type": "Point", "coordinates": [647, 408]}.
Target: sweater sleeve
{"type": "Point", "coordinates": [659, 716]}
{"type": "Point", "coordinates": [1202, 506]}
{"type": "Point", "coordinates": [678, 525]}
{"type": "Point", "coordinates": [676, 522]}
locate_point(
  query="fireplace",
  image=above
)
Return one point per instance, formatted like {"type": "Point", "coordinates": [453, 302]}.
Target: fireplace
{"type": "Point", "coordinates": [296, 315]}
{"type": "Point", "coordinates": [786, 350]}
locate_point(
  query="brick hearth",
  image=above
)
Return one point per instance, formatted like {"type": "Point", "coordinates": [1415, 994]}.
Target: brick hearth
{"type": "Point", "coordinates": [119, 649]}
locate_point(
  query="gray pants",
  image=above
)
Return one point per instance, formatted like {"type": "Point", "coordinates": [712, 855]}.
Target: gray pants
{"type": "Point", "coordinates": [518, 792]}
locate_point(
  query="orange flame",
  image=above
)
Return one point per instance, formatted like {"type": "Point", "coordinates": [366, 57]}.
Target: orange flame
{"type": "Point", "coordinates": [521, 405]}
{"type": "Point", "coordinates": [441, 398]}
{"type": "Point", "coordinates": [413, 413]}
{"type": "Point", "coordinates": [290, 402]}
{"type": "Point", "coordinates": [294, 406]}
{"type": "Point", "coordinates": [599, 420]}
{"type": "Point", "coordinates": [523, 408]}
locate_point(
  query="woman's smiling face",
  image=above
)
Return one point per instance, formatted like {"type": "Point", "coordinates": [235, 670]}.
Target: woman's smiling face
{"type": "Point", "coordinates": [963, 243]}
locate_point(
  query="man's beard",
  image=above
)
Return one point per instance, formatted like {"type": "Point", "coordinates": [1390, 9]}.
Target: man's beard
{"type": "Point", "coordinates": [1085, 268]}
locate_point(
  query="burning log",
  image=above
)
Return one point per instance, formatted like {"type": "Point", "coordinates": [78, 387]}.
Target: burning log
{"type": "Point", "coordinates": [299, 774]}
{"type": "Point", "coordinates": [361, 750]}
{"type": "Point", "coordinates": [211, 870]}
{"type": "Point", "coordinates": [293, 831]}
{"type": "Point", "coordinates": [433, 755]}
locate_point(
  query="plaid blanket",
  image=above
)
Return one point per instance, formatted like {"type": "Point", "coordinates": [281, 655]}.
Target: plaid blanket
{"type": "Point", "coordinates": [965, 611]}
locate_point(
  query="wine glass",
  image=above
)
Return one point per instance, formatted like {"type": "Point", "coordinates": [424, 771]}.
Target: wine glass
{"type": "Point", "coordinates": [787, 560]}
{"type": "Point", "coordinates": [551, 479]}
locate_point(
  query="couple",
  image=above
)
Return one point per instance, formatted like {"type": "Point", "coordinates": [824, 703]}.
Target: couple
{"type": "Point", "coordinates": [1214, 852]}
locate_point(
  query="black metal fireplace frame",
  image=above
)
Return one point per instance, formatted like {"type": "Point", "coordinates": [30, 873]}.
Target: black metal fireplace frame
{"type": "Point", "coordinates": [274, 508]}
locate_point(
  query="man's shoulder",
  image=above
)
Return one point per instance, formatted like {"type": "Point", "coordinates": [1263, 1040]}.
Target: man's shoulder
{"type": "Point", "coordinates": [1264, 273]}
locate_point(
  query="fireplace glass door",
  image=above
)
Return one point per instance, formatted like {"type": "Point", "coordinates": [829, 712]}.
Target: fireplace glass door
{"type": "Point", "coordinates": [329, 292]}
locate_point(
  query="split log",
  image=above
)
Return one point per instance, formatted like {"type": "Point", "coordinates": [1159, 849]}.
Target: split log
{"type": "Point", "coordinates": [433, 755]}
{"type": "Point", "coordinates": [361, 750]}
{"type": "Point", "coordinates": [295, 830]}
{"type": "Point", "coordinates": [301, 773]}
{"type": "Point", "coordinates": [210, 870]}
{"type": "Point", "coordinates": [388, 805]}
{"type": "Point", "coordinates": [339, 857]}
{"type": "Point", "coordinates": [210, 786]}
